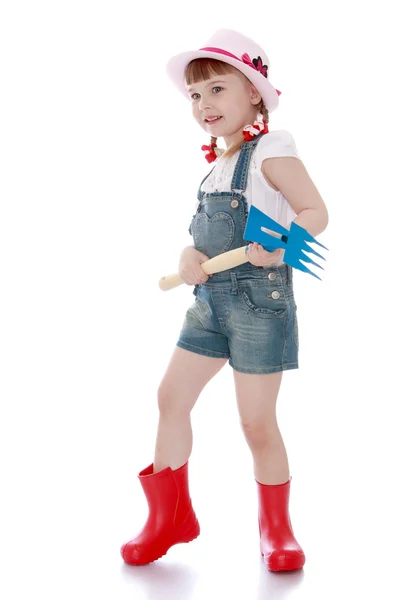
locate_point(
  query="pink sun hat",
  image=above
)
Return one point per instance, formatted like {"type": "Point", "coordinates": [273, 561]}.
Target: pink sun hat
{"type": "Point", "coordinates": [235, 49]}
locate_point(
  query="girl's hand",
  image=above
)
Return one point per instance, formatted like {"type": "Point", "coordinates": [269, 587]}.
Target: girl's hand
{"type": "Point", "coordinates": [189, 269]}
{"type": "Point", "coordinates": [262, 258]}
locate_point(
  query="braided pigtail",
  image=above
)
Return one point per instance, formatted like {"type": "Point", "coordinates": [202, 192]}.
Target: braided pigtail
{"type": "Point", "coordinates": [218, 151]}
{"type": "Point", "coordinates": [264, 111]}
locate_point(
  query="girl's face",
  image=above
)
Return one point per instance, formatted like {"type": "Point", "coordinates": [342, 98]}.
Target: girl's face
{"type": "Point", "coordinates": [230, 97]}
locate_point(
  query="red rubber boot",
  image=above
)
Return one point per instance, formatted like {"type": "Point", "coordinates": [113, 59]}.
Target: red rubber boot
{"type": "Point", "coordinates": [278, 545]}
{"type": "Point", "coordinates": [171, 518]}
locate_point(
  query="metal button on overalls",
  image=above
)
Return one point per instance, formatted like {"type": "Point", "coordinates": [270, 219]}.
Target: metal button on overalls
{"type": "Point", "coordinates": [275, 295]}
{"type": "Point", "coordinates": [234, 203]}
{"type": "Point", "coordinates": [272, 276]}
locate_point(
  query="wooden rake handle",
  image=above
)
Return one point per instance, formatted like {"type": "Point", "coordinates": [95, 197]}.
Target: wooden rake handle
{"type": "Point", "coordinates": [222, 262]}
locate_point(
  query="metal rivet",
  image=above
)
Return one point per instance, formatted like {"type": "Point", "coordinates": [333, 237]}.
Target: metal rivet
{"type": "Point", "coordinates": [272, 276]}
{"type": "Point", "coordinates": [275, 295]}
{"type": "Point", "coordinates": [234, 203]}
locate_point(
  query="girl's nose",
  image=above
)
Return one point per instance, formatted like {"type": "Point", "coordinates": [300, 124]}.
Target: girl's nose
{"type": "Point", "coordinates": [204, 103]}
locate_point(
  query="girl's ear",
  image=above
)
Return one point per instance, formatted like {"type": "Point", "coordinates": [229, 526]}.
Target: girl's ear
{"type": "Point", "coordinates": [255, 96]}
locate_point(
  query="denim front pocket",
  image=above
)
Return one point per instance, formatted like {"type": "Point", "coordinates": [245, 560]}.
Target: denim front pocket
{"type": "Point", "coordinates": [264, 301]}
{"type": "Point", "coordinates": [213, 236]}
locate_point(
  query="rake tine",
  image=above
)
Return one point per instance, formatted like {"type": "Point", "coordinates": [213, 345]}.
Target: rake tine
{"type": "Point", "coordinates": [309, 260]}
{"type": "Point", "coordinates": [306, 270]}
{"type": "Point", "coordinates": [300, 233]}
{"type": "Point", "coordinates": [309, 249]}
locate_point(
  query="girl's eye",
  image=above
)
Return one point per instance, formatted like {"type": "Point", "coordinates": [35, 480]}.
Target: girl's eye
{"type": "Point", "coordinates": [217, 87]}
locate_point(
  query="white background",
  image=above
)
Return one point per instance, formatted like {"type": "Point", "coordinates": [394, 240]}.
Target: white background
{"type": "Point", "coordinates": [100, 164]}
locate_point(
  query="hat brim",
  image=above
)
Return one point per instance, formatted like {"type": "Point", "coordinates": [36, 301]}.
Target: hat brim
{"type": "Point", "coordinates": [176, 67]}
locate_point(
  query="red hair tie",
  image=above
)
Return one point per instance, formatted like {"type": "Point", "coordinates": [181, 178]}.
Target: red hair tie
{"type": "Point", "coordinates": [211, 156]}
{"type": "Point", "coordinates": [259, 126]}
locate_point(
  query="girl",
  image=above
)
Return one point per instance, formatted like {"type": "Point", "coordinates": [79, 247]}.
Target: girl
{"type": "Point", "coordinates": [246, 315]}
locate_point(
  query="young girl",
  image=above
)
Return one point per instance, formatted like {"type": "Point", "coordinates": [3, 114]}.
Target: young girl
{"type": "Point", "coordinates": [246, 315]}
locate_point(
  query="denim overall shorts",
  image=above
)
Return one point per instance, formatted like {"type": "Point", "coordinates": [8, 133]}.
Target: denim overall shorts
{"type": "Point", "coordinates": [246, 314]}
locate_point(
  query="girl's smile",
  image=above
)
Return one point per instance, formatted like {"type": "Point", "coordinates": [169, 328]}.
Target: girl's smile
{"type": "Point", "coordinates": [213, 121]}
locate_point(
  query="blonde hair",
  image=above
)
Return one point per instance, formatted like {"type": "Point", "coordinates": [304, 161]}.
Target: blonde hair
{"type": "Point", "coordinates": [201, 69]}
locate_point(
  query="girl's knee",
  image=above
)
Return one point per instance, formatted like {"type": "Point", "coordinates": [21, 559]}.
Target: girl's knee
{"type": "Point", "coordinates": [170, 403]}
{"type": "Point", "coordinates": [166, 401]}
{"type": "Point", "coordinates": [258, 435]}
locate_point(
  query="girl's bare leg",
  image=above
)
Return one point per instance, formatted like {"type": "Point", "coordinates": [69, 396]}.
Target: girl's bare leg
{"type": "Point", "coordinates": [256, 398]}
{"type": "Point", "coordinates": [186, 376]}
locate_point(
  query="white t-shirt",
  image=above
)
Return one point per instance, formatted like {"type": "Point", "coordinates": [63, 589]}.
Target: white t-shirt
{"type": "Point", "coordinates": [258, 192]}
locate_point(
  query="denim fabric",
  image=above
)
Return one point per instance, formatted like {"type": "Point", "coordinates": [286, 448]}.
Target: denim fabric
{"type": "Point", "coordinates": [246, 314]}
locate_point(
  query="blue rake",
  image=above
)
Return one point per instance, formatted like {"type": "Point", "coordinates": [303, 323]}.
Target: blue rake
{"type": "Point", "coordinates": [294, 241]}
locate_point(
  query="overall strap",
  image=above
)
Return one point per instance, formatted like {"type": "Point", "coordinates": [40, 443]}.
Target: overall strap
{"type": "Point", "coordinates": [199, 192]}
{"type": "Point", "coordinates": [239, 178]}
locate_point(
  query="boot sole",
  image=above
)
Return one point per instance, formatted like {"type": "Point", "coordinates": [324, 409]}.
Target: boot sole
{"type": "Point", "coordinates": [185, 539]}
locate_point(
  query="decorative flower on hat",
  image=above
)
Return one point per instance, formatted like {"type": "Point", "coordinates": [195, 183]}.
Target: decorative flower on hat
{"type": "Point", "coordinates": [256, 64]}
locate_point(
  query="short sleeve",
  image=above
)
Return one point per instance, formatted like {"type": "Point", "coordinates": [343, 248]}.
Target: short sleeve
{"type": "Point", "coordinates": [274, 145]}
